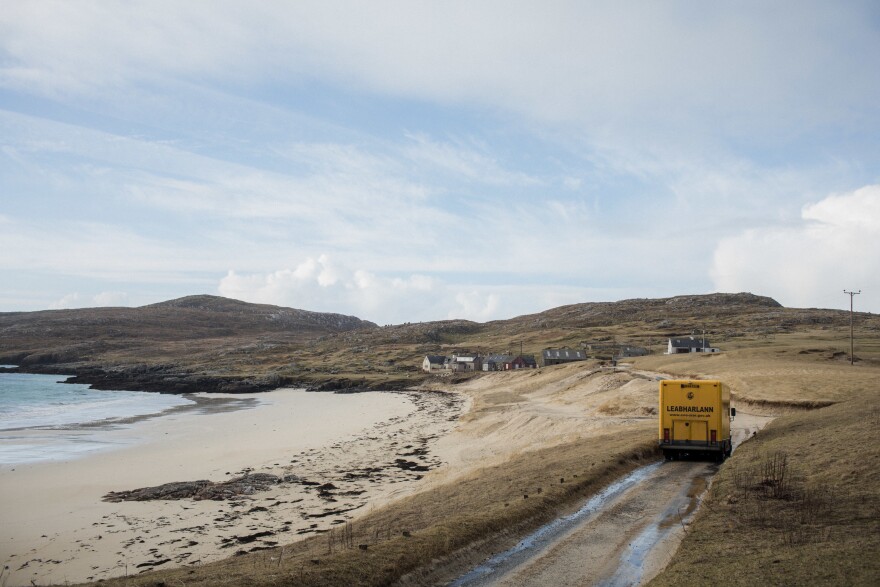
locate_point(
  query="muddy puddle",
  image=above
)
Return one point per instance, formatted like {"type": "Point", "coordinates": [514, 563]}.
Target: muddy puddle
{"type": "Point", "coordinates": [547, 534]}
{"type": "Point", "coordinates": [622, 536]}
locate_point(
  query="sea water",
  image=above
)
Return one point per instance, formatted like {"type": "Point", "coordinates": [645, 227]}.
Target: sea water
{"type": "Point", "coordinates": [42, 418]}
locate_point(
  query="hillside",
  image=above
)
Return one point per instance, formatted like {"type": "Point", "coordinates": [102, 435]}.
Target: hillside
{"type": "Point", "coordinates": [200, 343]}
{"type": "Point", "coordinates": [163, 338]}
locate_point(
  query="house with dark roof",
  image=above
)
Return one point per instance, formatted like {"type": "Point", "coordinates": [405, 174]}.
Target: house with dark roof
{"type": "Point", "coordinates": [496, 362]}
{"type": "Point", "coordinates": [522, 362]}
{"type": "Point", "coordinates": [634, 351]}
{"type": "Point", "coordinates": [559, 356]}
{"type": "Point", "coordinates": [464, 363]}
{"type": "Point", "coordinates": [690, 344]}
{"type": "Point", "coordinates": [433, 363]}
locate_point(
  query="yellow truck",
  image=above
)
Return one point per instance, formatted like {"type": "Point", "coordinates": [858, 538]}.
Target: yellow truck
{"type": "Point", "coordinates": [695, 418]}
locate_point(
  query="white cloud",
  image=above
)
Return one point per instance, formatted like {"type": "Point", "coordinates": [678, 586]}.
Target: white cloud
{"type": "Point", "coordinates": [834, 247]}
{"type": "Point", "coordinates": [859, 210]}
{"type": "Point", "coordinates": [320, 284]}
{"type": "Point", "coordinates": [103, 299]}
{"type": "Point", "coordinates": [111, 298]}
{"type": "Point", "coordinates": [393, 300]}
{"type": "Point", "coordinates": [572, 183]}
{"type": "Point", "coordinates": [466, 160]}
{"type": "Point", "coordinates": [72, 300]}
{"type": "Point", "coordinates": [89, 248]}
{"type": "Point", "coordinates": [599, 64]}
{"type": "Point", "coordinates": [476, 305]}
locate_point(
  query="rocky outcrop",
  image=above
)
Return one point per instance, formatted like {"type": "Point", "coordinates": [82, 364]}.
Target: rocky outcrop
{"type": "Point", "coordinates": [168, 379]}
{"type": "Point", "coordinates": [160, 380]}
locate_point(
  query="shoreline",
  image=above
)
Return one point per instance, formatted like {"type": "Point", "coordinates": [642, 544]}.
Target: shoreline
{"type": "Point", "coordinates": [365, 450]}
{"type": "Point", "coordinates": [168, 380]}
{"type": "Point", "coordinates": [200, 404]}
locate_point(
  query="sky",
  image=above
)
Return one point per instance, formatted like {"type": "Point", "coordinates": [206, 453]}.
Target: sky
{"type": "Point", "coordinates": [415, 160]}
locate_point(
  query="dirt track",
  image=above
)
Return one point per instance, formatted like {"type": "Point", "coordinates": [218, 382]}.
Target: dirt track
{"type": "Point", "coordinates": [624, 536]}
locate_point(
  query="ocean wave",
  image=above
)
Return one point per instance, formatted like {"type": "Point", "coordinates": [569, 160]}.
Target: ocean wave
{"type": "Point", "coordinates": [35, 401]}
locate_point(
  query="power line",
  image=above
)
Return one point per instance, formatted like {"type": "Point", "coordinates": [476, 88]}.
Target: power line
{"type": "Point", "coordinates": [851, 343]}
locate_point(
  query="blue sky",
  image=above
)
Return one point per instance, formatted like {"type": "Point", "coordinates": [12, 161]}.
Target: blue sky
{"type": "Point", "coordinates": [409, 161]}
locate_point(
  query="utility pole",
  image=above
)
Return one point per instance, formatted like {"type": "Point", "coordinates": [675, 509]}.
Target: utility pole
{"type": "Point", "coordinates": [851, 343]}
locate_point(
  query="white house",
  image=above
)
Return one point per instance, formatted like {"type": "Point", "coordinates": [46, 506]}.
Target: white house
{"type": "Point", "coordinates": [690, 344]}
{"type": "Point", "coordinates": [465, 363]}
{"type": "Point", "coordinates": [433, 363]}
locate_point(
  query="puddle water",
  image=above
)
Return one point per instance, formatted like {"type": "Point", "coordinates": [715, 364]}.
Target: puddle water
{"type": "Point", "coordinates": [631, 568]}
{"type": "Point", "coordinates": [546, 534]}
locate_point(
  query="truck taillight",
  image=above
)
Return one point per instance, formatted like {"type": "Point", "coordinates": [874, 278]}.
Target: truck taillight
{"type": "Point", "coordinates": [714, 437]}
{"type": "Point", "coordinates": [666, 435]}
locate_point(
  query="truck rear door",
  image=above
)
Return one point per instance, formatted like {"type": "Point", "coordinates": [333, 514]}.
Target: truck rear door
{"type": "Point", "coordinates": [690, 430]}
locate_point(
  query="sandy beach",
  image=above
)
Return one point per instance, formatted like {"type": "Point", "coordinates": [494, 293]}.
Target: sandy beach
{"type": "Point", "coordinates": [352, 455]}
{"type": "Point", "coordinates": [333, 457]}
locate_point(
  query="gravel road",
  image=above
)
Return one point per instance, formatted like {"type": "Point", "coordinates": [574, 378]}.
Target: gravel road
{"type": "Point", "coordinates": [623, 536]}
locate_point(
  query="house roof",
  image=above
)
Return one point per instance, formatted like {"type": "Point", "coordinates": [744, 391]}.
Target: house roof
{"type": "Point", "coordinates": [563, 354]}
{"type": "Point", "coordinates": [436, 359]}
{"type": "Point", "coordinates": [689, 343]}
{"type": "Point", "coordinates": [527, 359]}
{"type": "Point", "coordinates": [499, 358]}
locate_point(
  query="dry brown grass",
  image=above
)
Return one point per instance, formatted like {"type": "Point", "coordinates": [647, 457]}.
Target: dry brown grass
{"type": "Point", "coordinates": [797, 505]}
{"type": "Point", "coordinates": [794, 369]}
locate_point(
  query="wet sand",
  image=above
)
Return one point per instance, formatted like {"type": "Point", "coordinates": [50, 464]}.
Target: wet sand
{"type": "Point", "coordinates": [341, 456]}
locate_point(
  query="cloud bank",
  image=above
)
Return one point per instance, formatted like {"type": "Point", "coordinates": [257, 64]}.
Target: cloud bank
{"type": "Point", "coordinates": [319, 284]}
{"type": "Point", "coordinates": [103, 299]}
{"type": "Point", "coordinates": [833, 247]}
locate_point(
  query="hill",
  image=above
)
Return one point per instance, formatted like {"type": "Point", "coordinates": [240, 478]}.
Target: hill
{"type": "Point", "coordinates": [159, 339]}
{"type": "Point", "coordinates": [209, 343]}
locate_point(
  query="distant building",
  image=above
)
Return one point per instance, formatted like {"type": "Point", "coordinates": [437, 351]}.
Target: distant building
{"type": "Point", "coordinates": [465, 363]}
{"type": "Point", "coordinates": [559, 356]}
{"type": "Point", "coordinates": [634, 351]}
{"type": "Point", "coordinates": [600, 350]}
{"type": "Point", "coordinates": [522, 362]}
{"type": "Point", "coordinates": [496, 362]}
{"type": "Point", "coordinates": [690, 344]}
{"type": "Point", "coordinates": [433, 363]}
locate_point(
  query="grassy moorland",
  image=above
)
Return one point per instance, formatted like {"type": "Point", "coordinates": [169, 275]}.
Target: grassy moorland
{"type": "Point", "coordinates": [799, 503]}
{"type": "Point", "coordinates": [206, 343]}
{"type": "Point", "coordinates": [796, 505]}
